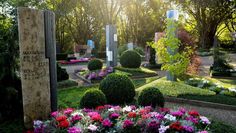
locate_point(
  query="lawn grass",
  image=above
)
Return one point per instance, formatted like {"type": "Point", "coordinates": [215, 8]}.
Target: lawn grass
{"type": "Point", "coordinates": [137, 71]}
{"type": "Point", "coordinates": [176, 89]}
{"type": "Point", "coordinates": [181, 90]}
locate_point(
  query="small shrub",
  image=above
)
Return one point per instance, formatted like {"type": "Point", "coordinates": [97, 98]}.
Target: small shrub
{"type": "Point", "coordinates": [118, 88]}
{"type": "Point", "coordinates": [130, 59]}
{"type": "Point", "coordinates": [95, 64]}
{"type": "Point", "coordinates": [151, 96]}
{"type": "Point", "coordinates": [61, 74]}
{"type": "Point", "coordinates": [92, 98]}
{"type": "Point", "coordinates": [61, 56]}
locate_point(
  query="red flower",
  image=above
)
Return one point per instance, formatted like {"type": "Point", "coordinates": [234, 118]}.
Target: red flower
{"type": "Point", "coordinates": [61, 118]}
{"type": "Point", "coordinates": [176, 126]}
{"type": "Point", "coordinates": [132, 115]}
{"type": "Point", "coordinates": [193, 113]}
{"type": "Point", "coordinates": [96, 117]}
{"type": "Point", "coordinates": [64, 124]}
{"type": "Point", "coordinates": [100, 107]}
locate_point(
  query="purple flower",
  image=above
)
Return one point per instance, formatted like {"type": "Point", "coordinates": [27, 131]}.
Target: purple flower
{"type": "Point", "coordinates": [188, 129]}
{"type": "Point", "coordinates": [192, 119]}
{"type": "Point", "coordinates": [163, 129]}
{"type": "Point", "coordinates": [87, 110]}
{"type": "Point", "coordinates": [153, 126]}
{"type": "Point", "coordinates": [102, 74]}
{"type": "Point", "coordinates": [177, 113]}
{"type": "Point", "coordinates": [74, 130]}
{"type": "Point", "coordinates": [114, 116]}
{"type": "Point", "coordinates": [109, 69]}
{"type": "Point", "coordinates": [128, 124]}
{"type": "Point", "coordinates": [38, 126]}
{"type": "Point", "coordinates": [106, 123]}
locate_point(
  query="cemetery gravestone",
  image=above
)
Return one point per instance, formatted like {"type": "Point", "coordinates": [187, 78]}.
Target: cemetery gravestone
{"type": "Point", "coordinates": [111, 45]}
{"type": "Point", "coordinates": [34, 65]}
{"type": "Point", "coordinates": [130, 46]}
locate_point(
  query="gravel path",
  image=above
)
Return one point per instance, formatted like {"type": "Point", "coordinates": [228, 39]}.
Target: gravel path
{"type": "Point", "coordinates": [227, 116]}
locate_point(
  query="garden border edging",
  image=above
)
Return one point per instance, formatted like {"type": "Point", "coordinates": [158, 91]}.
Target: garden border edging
{"type": "Point", "coordinates": [200, 103]}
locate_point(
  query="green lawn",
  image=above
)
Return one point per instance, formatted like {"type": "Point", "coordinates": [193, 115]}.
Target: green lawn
{"type": "Point", "coordinates": [181, 90]}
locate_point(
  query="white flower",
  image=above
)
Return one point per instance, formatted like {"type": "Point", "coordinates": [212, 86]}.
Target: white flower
{"type": "Point", "coordinates": [127, 109]}
{"type": "Point", "coordinates": [92, 127]}
{"type": "Point", "coordinates": [170, 117]}
{"type": "Point", "coordinates": [205, 120]}
{"type": "Point", "coordinates": [77, 113]}
{"type": "Point", "coordinates": [232, 89]}
{"type": "Point", "coordinates": [111, 109]}
{"type": "Point", "coordinates": [163, 129]}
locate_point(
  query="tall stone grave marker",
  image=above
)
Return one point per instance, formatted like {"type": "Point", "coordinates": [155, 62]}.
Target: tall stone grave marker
{"type": "Point", "coordinates": [172, 14]}
{"type": "Point", "coordinates": [111, 45]}
{"type": "Point", "coordinates": [34, 65]}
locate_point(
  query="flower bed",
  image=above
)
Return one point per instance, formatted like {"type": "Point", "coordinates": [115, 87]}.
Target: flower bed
{"type": "Point", "coordinates": [127, 119]}
{"type": "Point", "coordinates": [216, 87]}
{"type": "Point", "coordinates": [99, 74]}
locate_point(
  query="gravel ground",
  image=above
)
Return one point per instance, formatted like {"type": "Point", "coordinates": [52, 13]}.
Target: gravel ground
{"type": "Point", "coordinates": [227, 116]}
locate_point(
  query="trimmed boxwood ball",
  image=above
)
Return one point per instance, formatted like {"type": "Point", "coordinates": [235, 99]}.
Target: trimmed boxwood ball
{"type": "Point", "coordinates": [130, 59]}
{"type": "Point", "coordinates": [151, 96]}
{"type": "Point", "coordinates": [95, 64]}
{"type": "Point", "coordinates": [93, 98]}
{"type": "Point", "coordinates": [118, 88]}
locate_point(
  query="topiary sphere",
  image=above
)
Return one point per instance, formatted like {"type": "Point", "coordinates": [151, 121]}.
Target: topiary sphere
{"type": "Point", "coordinates": [95, 64]}
{"type": "Point", "coordinates": [130, 59]}
{"type": "Point", "coordinates": [151, 96]}
{"type": "Point", "coordinates": [118, 88]}
{"type": "Point", "coordinates": [93, 98]}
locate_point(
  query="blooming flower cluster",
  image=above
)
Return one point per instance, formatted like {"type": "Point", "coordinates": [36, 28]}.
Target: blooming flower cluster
{"type": "Point", "coordinates": [127, 119]}
{"type": "Point", "coordinates": [100, 74]}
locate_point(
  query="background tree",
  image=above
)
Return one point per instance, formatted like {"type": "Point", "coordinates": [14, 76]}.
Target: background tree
{"type": "Point", "coordinates": [209, 15]}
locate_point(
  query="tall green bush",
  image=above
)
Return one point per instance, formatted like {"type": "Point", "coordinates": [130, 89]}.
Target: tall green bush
{"type": "Point", "coordinates": [167, 50]}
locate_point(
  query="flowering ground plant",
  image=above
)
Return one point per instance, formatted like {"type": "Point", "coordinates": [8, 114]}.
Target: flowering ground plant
{"type": "Point", "coordinates": [99, 74]}
{"type": "Point", "coordinates": [127, 119]}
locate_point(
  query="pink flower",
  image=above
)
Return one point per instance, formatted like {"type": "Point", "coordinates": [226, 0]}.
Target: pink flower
{"type": "Point", "coordinates": [68, 111]}
{"type": "Point", "coordinates": [74, 130]}
{"type": "Point", "coordinates": [128, 123]}
{"type": "Point", "coordinates": [189, 129]}
{"type": "Point", "coordinates": [192, 119]}
{"type": "Point", "coordinates": [54, 114]}
{"type": "Point", "coordinates": [76, 118]}
{"type": "Point", "coordinates": [202, 132]}
{"type": "Point", "coordinates": [106, 123]}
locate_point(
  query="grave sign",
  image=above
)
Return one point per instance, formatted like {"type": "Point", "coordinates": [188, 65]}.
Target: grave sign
{"type": "Point", "coordinates": [38, 73]}
{"type": "Point", "coordinates": [130, 46]}
{"type": "Point", "coordinates": [111, 45]}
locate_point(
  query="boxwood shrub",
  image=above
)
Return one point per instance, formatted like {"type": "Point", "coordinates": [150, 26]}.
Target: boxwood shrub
{"type": "Point", "coordinates": [130, 59]}
{"type": "Point", "coordinates": [95, 64]}
{"type": "Point", "coordinates": [151, 96]}
{"type": "Point", "coordinates": [118, 88]}
{"type": "Point", "coordinates": [92, 98]}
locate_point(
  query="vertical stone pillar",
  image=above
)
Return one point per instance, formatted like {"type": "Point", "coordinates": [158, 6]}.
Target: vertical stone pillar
{"type": "Point", "coordinates": [111, 45]}
{"type": "Point", "coordinates": [172, 14]}
{"type": "Point", "coordinates": [34, 66]}
{"type": "Point", "coordinates": [50, 43]}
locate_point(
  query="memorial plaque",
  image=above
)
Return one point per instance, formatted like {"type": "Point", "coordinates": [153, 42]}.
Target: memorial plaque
{"type": "Point", "coordinates": [34, 66]}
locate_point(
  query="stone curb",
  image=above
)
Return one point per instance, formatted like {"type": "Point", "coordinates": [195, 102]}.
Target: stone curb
{"type": "Point", "coordinates": [200, 103]}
